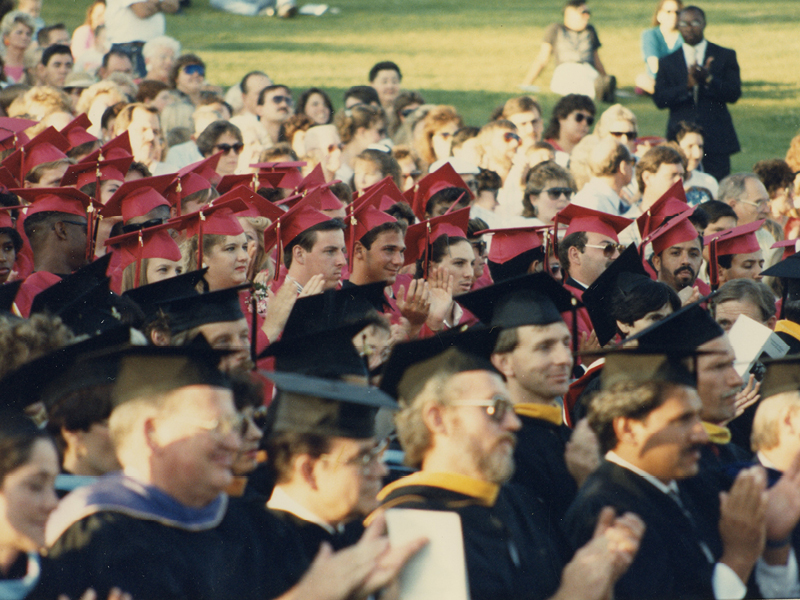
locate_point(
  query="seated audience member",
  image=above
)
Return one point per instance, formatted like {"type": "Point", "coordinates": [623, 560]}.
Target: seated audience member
{"type": "Point", "coordinates": [778, 177]}
{"type": "Point", "coordinates": [410, 167]}
{"type": "Point", "coordinates": [361, 94]}
{"type": "Point", "coordinates": [570, 122]}
{"type": "Point", "coordinates": [690, 139]}
{"type": "Point", "coordinates": [55, 65]}
{"type": "Point", "coordinates": [405, 104]}
{"type": "Point", "coordinates": [141, 123]}
{"type": "Point", "coordinates": [385, 77]}
{"type": "Point", "coordinates": [115, 61]}
{"type": "Point", "coordinates": [526, 115]}
{"type": "Point", "coordinates": [274, 108]}
{"type": "Point", "coordinates": [160, 55]}
{"type": "Point", "coordinates": [746, 297]}
{"type": "Point", "coordinates": [187, 77]}
{"type": "Point", "coordinates": [463, 144]}
{"type": "Point", "coordinates": [358, 128]}
{"type": "Point", "coordinates": [317, 105]}
{"type": "Point", "coordinates": [749, 198]}
{"type": "Point", "coordinates": [370, 166]}
{"type": "Point", "coordinates": [323, 147]}
{"type": "Point", "coordinates": [436, 134]}
{"type": "Point", "coordinates": [83, 36]}
{"type": "Point", "coordinates": [497, 147]}
{"type": "Point", "coordinates": [222, 136]}
{"type": "Point", "coordinates": [548, 191]}
{"type": "Point", "coordinates": [488, 185]}
{"type": "Point", "coordinates": [662, 39]}
{"type": "Point", "coordinates": [17, 29]}
{"type": "Point", "coordinates": [52, 34]}
{"type": "Point", "coordinates": [612, 168]}
{"type": "Point", "coordinates": [657, 171]}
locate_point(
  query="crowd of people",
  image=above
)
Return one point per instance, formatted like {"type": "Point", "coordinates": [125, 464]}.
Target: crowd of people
{"type": "Point", "coordinates": [240, 328]}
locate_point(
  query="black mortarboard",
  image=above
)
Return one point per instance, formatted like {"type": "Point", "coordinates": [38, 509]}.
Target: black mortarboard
{"type": "Point", "coordinates": [685, 329]}
{"type": "Point", "coordinates": [96, 311]}
{"type": "Point", "coordinates": [325, 407]}
{"type": "Point", "coordinates": [624, 274]}
{"type": "Point", "coordinates": [782, 375]}
{"type": "Point", "coordinates": [642, 366]}
{"type": "Point", "coordinates": [326, 353]}
{"type": "Point", "coordinates": [72, 287]}
{"type": "Point", "coordinates": [150, 370]}
{"type": "Point", "coordinates": [788, 270]}
{"type": "Point", "coordinates": [333, 308]}
{"type": "Point", "coordinates": [412, 364]}
{"type": "Point", "coordinates": [213, 307]}
{"type": "Point", "coordinates": [535, 299]}
{"type": "Point", "coordinates": [8, 291]}
{"type": "Point", "coordinates": [65, 370]}
{"type": "Point", "coordinates": [154, 295]}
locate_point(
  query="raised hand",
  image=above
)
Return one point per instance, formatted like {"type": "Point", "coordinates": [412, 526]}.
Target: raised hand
{"type": "Point", "coordinates": [440, 283]}
{"type": "Point", "coordinates": [279, 307]}
{"type": "Point", "coordinates": [414, 305]}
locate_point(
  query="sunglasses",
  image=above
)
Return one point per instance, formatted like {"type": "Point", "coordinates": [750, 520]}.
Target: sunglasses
{"type": "Point", "coordinates": [225, 148]}
{"type": "Point", "coordinates": [446, 135]}
{"type": "Point", "coordinates": [195, 70]}
{"type": "Point", "coordinates": [407, 112]}
{"type": "Point", "coordinates": [280, 99]}
{"type": "Point", "coordinates": [333, 147]}
{"type": "Point", "coordinates": [510, 135]}
{"type": "Point", "coordinates": [555, 269]}
{"type": "Point", "coordinates": [694, 23]}
{"type": "Point", "coordinates": [554, 193]}
{"type": "Point", "coordinates": [609, 249]}
{"type": "Point", "coordinates": [138, 226]}
{"type": "Point", "coordinates": [579, 117]}
{"type": "Point", "coordinates": [497, 407]}
{"type": "Point", "coordinates": [82, 224]}
{"type": "Point", "coordinates": [586, 11]}
{"type": "Point", "coordinates": [631, 135]}
{"type": "Point", "coordinates": [479, 246]}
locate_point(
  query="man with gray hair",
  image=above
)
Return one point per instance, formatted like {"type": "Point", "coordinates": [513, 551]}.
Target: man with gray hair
{"type": "Point", "coordinates": [159, 57]}
{"type": "Point", "coordinates": [611, 165]}
{"type": "Point", "coordinates": [748, 197]}
{"type": "Point", "coordinates": [746, 297]}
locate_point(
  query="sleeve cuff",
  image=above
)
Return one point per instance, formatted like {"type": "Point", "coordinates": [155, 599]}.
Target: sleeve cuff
{"type": "Point", "coordinates": [778, 581]}
{"type": "Point", "coordinates": [726, 583]}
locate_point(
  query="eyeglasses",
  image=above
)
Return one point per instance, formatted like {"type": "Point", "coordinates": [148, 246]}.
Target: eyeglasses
{"type": "Point", "coordinates": [555, 193]}
{"type": "Point", "coordinates": [631, 135]}
{"type": "Point", "coordinates": [195, 70]}
{"type": "Point", "coordinates": [510, 135]}
{"type": "Point", "coordinates": [473, 184]}
{"type": "Point", "coordinates": [334, 147]}
{"type": "Point", "coordinates": [279, 99]}
{"type": "Point", "coordinates": [760, 204]}
{"type": "Point", "coordinates": [225, 148]}
{"type": "Point", "coordinates": [609, 249]}
{"type": "Point", "coordinates": [139, 226]}
{"type": "Point", "coordinates": [407, 112]}
{"type": "Point", "coordinates": [579, 117]}
{"type": "Point", "coordinates": [479, 246]}
{"type": "Point", "coordinates": [365, 458]}
{"type": "Point", "coordinates": [82, 224]}
{"type": "Point", "coordinates": [496, 407]}
{"type": "Point", "coordinates": [694, 23]}
{"type": "Point", "coordinates": [256, 416]}
{"type": "Point", "coordinates": [446, 135]}
{"type": "Point", "coordinates": [586, 11]}
{"type": "Point", "coordinates": [555, 269]}
{"type": "Point", "coordinates": [220, 428]}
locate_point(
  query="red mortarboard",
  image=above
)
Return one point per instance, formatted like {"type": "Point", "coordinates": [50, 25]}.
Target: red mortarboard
{"type": "Point", "coordinates": [62, 199]}
{"type": "Point", "coordinates": [578, 218]}
{"type": "Point", "coordinates": [284, 175]}
{"type": "Point", "coordinates": [5, 217]}
{"type": "Point", "coordinates": [362, 219]}
{"type": "Point", "coordinates": [75, 131]}
{"type": "Point", "coordinates": [676, 230]}
{"type": "Point", "coordinates": [257, 206]}
{"type": "Point", "coordinates": [388, 192]}
{"type": "Point", "coordinates": [671, 203]}
{"type": "Point", "coordinates": [217, 219]}
{"type": "Point", "coordinates": [206, 168]}
{"type": "Point", "coordinates": [292, 223]}
{"type": "Point", "coordinates": [152, 242]}
{"type": "Point", "coordinates": [184, 185]}
{"type": "Point", "coordinates": [48, 146]}
{"type": "Point", "coordinates": [313, 179]}
{"type": "Point", "coordinates": [137, 198]}
{"type": "Point", "coordinates": [510, 243]}
{"type": "Point", "coordinates": [7, 178]}
{"type": "Point", "coordinates": [11, 129]}
{"type": "Point", "coordinates": [119, 147]}
{"type": "Point", "coordinates": [320, 197]}
{"type": "Point", "coordinates": [444, 177]}
{"type": "Point", "coordinates": [228, 182]}
{"type": "Point", "coordinates": [422, 235]}
{"type": "Point", "coordinates": [83, 173]}
{"type": "Point", "coordinates": [737, 240]}
{"type": "Point", "coordinates": [789, 247]}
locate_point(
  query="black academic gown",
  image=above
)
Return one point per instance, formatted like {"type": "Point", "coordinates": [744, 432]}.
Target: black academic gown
{"type": "Point", "coordinates": [249, 554]}
{"type": "Point", "coordinates": [670, 563]}
{"type": "Point", "coordinates": [510, 552]}
{"type": "Point", "coordinates": [311, 536]}
{"type": "Point", "coordinates": [540, 465]}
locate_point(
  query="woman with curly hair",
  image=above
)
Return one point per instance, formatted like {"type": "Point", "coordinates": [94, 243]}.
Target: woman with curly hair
{"type": "Point", "coordinates": [359, 127]}
{"type": "Point", "coordinates": [438, 128]}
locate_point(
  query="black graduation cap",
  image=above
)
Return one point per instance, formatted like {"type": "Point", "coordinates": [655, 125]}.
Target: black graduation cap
{"type": "Point", "coordinates": [72, 287]}
{"type": "Point", "coordinates": [56, 374]}
{"type": "Point", "coordinates": [625, 274]}
{"type": "Point", "coordinates": [641, 366]}
{"type": "Point", "coordinates": [782, 375]}
{"type": "Point", "coordinates": [151, 370]}
{"type": "Point", "coordinates": [201, 309]}
{"type": "Point", "coordinates": [324, 406]}
{"type": "Point", "coordinates": [154, 295]}
{"type": "Point", "coordinates": [535, 299]}
{"type": "Point", "coordinates": [325, 311]}
{"type": "Point", "coordinates": [788, 270]}
{"type": "Point", "coordinates": [687, 328]}
{"type": "Point", "coordinates": [96, 311]}
{"type": "Point", "coordinates": [8, 291]}
{"type": "Point", "coordinates": [329, 353]}
{"type": "Point", "coordinates": [412, 364]}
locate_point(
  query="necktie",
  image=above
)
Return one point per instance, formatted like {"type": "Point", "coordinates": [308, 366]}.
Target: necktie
{"type": "Point", "coordinates": [676, 497]}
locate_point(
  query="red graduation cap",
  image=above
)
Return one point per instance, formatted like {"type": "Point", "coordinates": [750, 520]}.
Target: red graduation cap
{"type": "Point", "coordinates": [75, 131]}
{"type": "Point", "coordinates": [388, 191]}
{"type": "Point", "coordinates": [285, 175]}
{"type": "Point", "coordinates": [206, 168]}
{"type": "Point", "coordinates": [11, 129]}
{"type": "Point", "coordinates": [510, 243]}
{"type": "Point", "coordinates": [118, 147]}
{"type": "Point", "coordinates": [5, 217]}
{"type": "Point", "coordinates": [443, 177]}
{"type": "Point", "coordinates": [292, 223]}
{"type": "Point", "coordinates": [48, 146]}
{"type": "Point", "coordinates": [789, 247]}
{"type": "Point", "coordinates": [62, 199]}
{"type": "Point", "coordinates": [216, 219]}
{"type": "Point", "coordinates": [577, 218]}
{"type": "Point", "coordinates": [183, 186]}
{"type": "Point", "coordinates": [671, 203]}
{"type": "Point", "coordinates": [257, 206]}
{"type": "Point", "coordinates": [320, 197]}
{"type": "Point", "coordinates": [7, 179]}
{"type": "Point", "coordinates": [365, 217]}
{"type": "Point", "coordinates": [676, 230]}
{"type": "Point", "coordinates": [313, 179]}
{"type": "Point", "coordinates": [737, 240]}
{"type": "Point", "coordinates": [228, 182]}
{"type": "Point", "coordinates": [152, 242]}
{"type": "Point", "coordinates": [84, 173]}
{"type": "Point", "coordinates": [137, 198]}
{"type": "Point", "coordinates": [420, 236]}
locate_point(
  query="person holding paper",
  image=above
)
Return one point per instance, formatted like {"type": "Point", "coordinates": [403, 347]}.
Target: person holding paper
{"type": "Point", "coordinates": [457, 425]}
{"type": "Point", "coordinates": [744, 297]}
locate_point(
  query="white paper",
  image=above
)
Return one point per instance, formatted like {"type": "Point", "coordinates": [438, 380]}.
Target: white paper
{"type": "Point", "coordinates": [438, 571]}
{"type": "Point", "coordinates": [750, 339]}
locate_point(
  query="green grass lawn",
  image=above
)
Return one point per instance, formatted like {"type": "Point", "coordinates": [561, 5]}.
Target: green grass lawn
{"type": "Point", "coordinates": [473, 54]}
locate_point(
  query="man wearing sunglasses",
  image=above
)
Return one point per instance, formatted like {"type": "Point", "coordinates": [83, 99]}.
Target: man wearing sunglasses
{"type": "Point", "coordinates": [457, 425]}
{"type": "Point", "coordinates": [275, 106]}
{"type": "Point", "coordinates": [579, 69]}
{"type": "Point", "coordinates": [611, 165]}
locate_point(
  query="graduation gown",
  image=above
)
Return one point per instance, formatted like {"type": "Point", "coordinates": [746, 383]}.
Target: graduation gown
{"type": "Point", "coordinates": [670, 563]}
{"type": "Point", "coordinates": [310, 535]}
{"type": "Point", "coordinates": [510, 552]}
{"type": "Point", "coordinates": [539, 459]}
{"type": "Point", "coordinates": [231, 550]}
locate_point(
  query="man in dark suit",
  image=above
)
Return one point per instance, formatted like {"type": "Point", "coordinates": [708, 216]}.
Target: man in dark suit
{"type": "Point", "coordinates": [695, 83]}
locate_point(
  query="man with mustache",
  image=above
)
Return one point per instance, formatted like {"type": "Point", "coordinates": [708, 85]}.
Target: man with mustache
{"type": "Point", "coordinates": [677, 251]}
{"type": "Point", "coordinates": [275, 106]}
{"type": "Point", "coordinates": [456, 424]}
